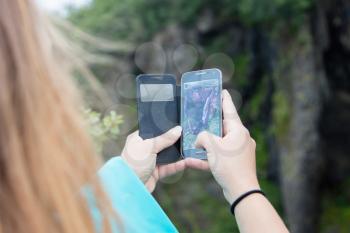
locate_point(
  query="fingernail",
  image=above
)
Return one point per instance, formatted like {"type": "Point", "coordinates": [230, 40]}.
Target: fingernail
{"type": "Point", "coordinates": [178, 129]}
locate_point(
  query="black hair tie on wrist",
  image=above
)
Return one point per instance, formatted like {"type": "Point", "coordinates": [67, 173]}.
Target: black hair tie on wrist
{"type": "Point", "coordinates": [244, 195]}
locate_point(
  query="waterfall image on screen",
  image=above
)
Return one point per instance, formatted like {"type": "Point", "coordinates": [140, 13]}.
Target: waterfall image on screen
{"type": "Point", "coordinates": [201, 110]}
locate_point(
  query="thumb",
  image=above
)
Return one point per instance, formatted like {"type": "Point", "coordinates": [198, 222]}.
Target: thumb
{"type": "Point", "coordinates": [167, 139]}
{"type": "Point", "coordinates": [206, 140]}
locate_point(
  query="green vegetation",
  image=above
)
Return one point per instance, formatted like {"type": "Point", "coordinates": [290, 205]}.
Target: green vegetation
{"type": "Point", "coordinates": [137, 20]}
{"type": "Point", "coordinates": [281, 114]}
{"type": "Point", "coordinates": [102, 128]}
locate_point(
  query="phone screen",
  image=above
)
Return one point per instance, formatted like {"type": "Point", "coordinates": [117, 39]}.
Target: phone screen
{"type": "Point", "coordinates": [201, 110]}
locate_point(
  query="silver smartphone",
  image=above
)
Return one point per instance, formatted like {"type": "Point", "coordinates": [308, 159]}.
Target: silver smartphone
{"type": "Point", "coordinates": [201, 108]}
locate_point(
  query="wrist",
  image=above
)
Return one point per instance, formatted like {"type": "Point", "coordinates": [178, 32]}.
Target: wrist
{"type": "Point", "coordinates": [238, 188]}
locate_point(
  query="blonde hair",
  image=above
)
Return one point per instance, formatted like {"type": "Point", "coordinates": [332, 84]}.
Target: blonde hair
{"type": "Point", "coordinates": [46, 156]}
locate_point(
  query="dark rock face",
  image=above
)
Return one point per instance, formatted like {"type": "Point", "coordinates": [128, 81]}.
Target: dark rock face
{"type": "Point", "coordinates": [299, 150]}
{"type": "Point", "coordinates": [314, 152]}
{"type": "Point", "coordinates": [334, 125]}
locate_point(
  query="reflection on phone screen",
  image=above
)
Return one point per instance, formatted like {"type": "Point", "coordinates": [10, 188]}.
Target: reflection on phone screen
{"type": "Point", "coordinates": [201, 109]}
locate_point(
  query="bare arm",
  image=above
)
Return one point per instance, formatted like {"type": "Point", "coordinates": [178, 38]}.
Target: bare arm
{"type": "Point", "coordinates": [232, 162]}
{"type": "Point", "coordinates": [256, 214]}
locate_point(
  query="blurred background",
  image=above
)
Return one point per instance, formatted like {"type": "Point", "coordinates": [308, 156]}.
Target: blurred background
{"type": "Point", "coordinates": [286, 64]}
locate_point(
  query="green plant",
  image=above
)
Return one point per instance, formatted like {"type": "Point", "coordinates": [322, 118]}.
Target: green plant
{"type": "Point", "coordinates": [102, 128]}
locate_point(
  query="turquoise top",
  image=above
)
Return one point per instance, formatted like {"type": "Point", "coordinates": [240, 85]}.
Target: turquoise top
{"type": "Point", "coordinates": [138, 210]}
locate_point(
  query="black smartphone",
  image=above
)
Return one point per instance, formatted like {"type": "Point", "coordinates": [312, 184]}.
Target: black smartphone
{"type": "Point", "coordinates": [157, 107]}
{"type": "Point", "coordinates": [201, 108]}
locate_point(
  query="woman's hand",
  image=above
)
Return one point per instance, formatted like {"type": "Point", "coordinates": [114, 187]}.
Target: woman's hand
{"type": "Point", "coordinates": [231, 158]}
{"type": "Point", "coordinates": [141, 154]}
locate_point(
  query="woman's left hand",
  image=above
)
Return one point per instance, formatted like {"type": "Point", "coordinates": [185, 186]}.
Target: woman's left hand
{"type": "Point", "coordinates": [141, 156]}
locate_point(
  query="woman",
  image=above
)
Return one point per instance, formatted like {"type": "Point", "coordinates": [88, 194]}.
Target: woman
{"type": "Point", "coordinates": [48, 163]}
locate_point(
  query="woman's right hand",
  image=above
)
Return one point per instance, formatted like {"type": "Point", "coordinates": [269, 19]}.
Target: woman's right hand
{"type": "Point", "coordinates": [232, 157]}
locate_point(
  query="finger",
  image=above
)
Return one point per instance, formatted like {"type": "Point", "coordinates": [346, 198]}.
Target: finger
{"type": "Point", "coordinates": [229, 110]}
{"type": "Point", "coordinates": [167, 139]}
{"type": "Point", "coordinates": [131, 139]}
{"type": "Point", "coordinates": [206, 140]}
{"type": "Point", "coordinates": [197, 164]}
{"type": "Point", "coordinates": [134, 134]}
{"type": "Point", "coordinates": [171, 169]}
